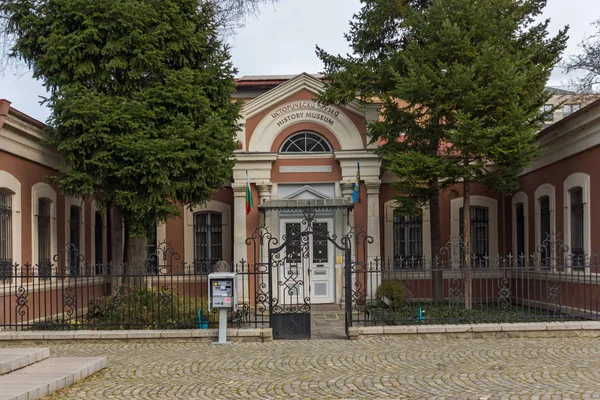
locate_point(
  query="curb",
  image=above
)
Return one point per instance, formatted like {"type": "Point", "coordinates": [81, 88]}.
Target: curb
{"type": "Point", "coordinates": [235, 335]}
{"type": "Point", "coordinates": [514, 330]}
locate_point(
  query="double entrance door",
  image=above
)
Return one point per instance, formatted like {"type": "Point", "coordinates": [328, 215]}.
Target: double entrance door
{"type": "Point", "coordinates": [309, 262]}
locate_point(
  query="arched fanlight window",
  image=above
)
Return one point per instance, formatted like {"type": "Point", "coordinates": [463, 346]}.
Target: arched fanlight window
{"type": "Point", "coordinates": [306, 142]}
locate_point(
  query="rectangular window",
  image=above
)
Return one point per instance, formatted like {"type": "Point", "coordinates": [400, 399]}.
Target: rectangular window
{"type": "Point", "coordinates": [577, 246]}
{"type": "Point", "coordinates": [479, 234]}
{"type": "Point", "coordinates": [545, 232]}
{"type": "Point", "coordinates": [408, 241]}
{"type": "Point", "coordinates": [208, 240]}
{"type": "Point", "coordinates": [98, 243]}
{"type": "Point", "coordinates": [569, 109]}
{"type": "Point", "coordinates": [74, 247]}
{"type": "Point", "coordinates": [520, 222]}
{"type": "Point", "coordinates": [6, 266]}
{"type": "Point", "coordinates": [547, 109]}
{"type": "Point", "coordinates": [44, 239]}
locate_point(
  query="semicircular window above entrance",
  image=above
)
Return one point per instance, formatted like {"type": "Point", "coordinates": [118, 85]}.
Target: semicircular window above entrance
{"type": "Point", "coordinates": [305, 142]}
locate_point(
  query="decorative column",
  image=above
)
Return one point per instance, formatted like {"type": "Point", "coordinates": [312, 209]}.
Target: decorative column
{"type": "Point", "coordinates": [373, 230]}
{"type": "Point", "coordinates": [239, 235]}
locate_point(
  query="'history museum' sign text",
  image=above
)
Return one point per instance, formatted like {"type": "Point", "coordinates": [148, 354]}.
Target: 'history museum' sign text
{"type": "Point", "coordinates": [321, 113]}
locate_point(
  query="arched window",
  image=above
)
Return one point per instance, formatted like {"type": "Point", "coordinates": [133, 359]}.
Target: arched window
{"type": "Point", "coordinates": [306, 142]}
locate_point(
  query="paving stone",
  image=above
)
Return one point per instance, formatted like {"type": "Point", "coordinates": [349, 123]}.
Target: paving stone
{"type": "Point", "coordinates": [375, 367]}
{"type": "Point", "coordinates": [370, 330]}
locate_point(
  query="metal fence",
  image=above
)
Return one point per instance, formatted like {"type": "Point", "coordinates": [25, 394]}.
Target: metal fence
{"type": "Point", "coordinates": [163, 292]}
{"type": "Point", "coordinates": [565, 286]}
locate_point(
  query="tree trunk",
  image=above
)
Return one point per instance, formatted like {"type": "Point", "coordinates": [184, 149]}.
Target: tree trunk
{"type": "Point", "coordinates": [467, 270]}
{"type": "Point", "coordinates": [137, 254]}
{"type": "Point", "coordinates": [116, 235]}
{"type": "Point", "coordinates": [437, 274]}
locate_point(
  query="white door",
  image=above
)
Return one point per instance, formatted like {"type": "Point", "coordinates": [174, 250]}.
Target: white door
{"type": "Point", "coordinates": [309, 264]}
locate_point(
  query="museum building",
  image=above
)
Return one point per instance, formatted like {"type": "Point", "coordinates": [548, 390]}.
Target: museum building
{"type": "Point", "coordinates": [295, 152]}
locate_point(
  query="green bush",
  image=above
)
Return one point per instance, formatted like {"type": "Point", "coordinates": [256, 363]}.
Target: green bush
{"type": "Point", "coordinates": [147, 308]}
{"type": "Point", "coordinates": [394, 291]}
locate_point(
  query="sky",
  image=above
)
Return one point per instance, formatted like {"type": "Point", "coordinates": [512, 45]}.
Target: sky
{"type": "Point", "coordinates": [282, 40]}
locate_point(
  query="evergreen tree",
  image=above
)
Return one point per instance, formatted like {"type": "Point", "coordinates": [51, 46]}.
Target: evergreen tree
{"type": "Point", "coordinates": [140, 94]}
{"type": "Point", "coordinates": [462, 85]}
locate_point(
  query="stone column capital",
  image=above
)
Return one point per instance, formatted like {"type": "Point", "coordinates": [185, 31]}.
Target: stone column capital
{"type": "Point", "coordinates": [373, 187]}
{"type": "Point", "coordinates": [347, 187]}
{"type": "Point", "coordinates": [239, 189]}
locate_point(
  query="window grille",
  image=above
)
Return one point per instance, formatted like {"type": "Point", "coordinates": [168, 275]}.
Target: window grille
{"type": "Point", "coordinates": [208, 240]}
{"type": "Point", "coordinates": [74, 248]}
{"type": "Point", "coordinates": [5, 235]}
{"type": "Point", "coordinates": [151, 256]}
{"type": "Point", "coordinates": [520, 225]}
{"type": "Point", "coordinates": [44, 239]}
{"type": "Point", "coordinates": [320, 245]}
{"type": "Point", "coordinates": [408, 241]}
{"type": "Point", "coordinates": [306, 142]}
{"type": "Point", "coordinates": [293, 248]}
{"type": "Point", "coordinates": [577, 246]}
{"type": "Point", "coordinates": [545, 232]}
{"type": "Point", "coordinates": [479, 217]}
{"type": "Point", "coordinates": [98, 242]}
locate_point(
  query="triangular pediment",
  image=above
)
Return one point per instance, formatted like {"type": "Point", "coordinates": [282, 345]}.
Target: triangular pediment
{"type": "Point", "coordinates": [281, 92]}
{"type": "Point", "coordinates": [307, 192]}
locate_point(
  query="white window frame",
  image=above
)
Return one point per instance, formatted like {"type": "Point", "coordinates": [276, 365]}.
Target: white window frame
{"type": "Point", "coordinates": [188, 231]}
{"type": "Point", "coordinates": [577, 179]}
{"type": "Point", "coordinates": [476, 201]}
{"type": "Point", "coordinates": [520, 198]}
{"type": "Point", "coordinates": [545, 189]}
{"type": "Point", "coordinates": [92, 260]}
{"type": "Point", "coordinates": [38, 191]}
{"type": "Point", "coordinates": [12, 185]}
{"type": "Point", "coordinates": [388, 227]}
{"type": "Point", "coordinates": [76, 202]}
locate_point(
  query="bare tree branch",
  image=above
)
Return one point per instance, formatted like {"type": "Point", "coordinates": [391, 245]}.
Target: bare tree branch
{"type": "Point", "coordinates": [588, 61]}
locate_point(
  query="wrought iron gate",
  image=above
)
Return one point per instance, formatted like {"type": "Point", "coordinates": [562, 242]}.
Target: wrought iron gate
{"type": "Point", "coordinates": [289, 265]}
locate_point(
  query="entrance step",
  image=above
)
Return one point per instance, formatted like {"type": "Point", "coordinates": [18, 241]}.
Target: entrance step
{"type": "Point", "coordinates": [47, 376]}
{"type": "Point", "coordinates": [13, 359]}
{"type": "Point", "coordinates": [322, 308]}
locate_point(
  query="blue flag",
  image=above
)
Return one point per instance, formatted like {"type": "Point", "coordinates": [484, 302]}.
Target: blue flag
{"type": "Point", "coordinates": [356, 184]}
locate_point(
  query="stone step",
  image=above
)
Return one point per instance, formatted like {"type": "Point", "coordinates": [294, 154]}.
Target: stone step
{"type": "Point", "coordinates": [47, 376]}
{"type": "Point", "coordinates": [12, 359]}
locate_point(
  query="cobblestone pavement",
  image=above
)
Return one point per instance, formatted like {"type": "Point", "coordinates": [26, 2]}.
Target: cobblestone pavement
{"type": "Point", "coordinates": [325, 369]}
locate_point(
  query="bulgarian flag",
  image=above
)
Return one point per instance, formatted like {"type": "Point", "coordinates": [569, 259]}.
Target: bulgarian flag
{"type": "Point", "coordinates": [248, 194]}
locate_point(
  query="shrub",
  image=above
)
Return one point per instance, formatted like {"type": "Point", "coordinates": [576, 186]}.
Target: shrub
{"type": "Point", "coordinates": [393, 291]}
{"type": "Point", "coordinates": [148, 308]}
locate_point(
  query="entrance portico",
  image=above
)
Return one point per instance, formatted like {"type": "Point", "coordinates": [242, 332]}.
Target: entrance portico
{"type": "Point", "coordinates": [293, 148]}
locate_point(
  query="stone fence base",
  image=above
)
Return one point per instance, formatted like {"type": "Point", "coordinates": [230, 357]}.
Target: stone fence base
{"type": "Point", "coordinates": [208, 335]}
{"type": "Point", "coordinates": [514, 330]}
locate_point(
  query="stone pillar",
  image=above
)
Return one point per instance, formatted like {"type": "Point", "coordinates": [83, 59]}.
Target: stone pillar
{"type": "Point", "coordinates": [239, 235]}
{"type": "Point", "coordinates": [373, 230]}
